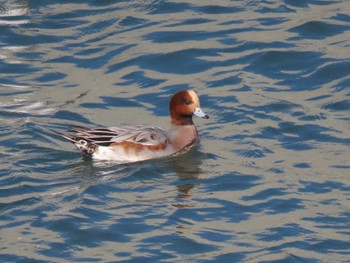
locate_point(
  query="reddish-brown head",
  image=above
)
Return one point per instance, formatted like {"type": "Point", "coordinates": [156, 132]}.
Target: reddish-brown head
{"type": "Point", "coordinates": [183, 105]}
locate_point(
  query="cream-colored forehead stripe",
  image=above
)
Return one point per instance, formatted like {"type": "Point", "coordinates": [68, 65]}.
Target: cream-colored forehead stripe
{"type": "Point", "coordinates": [194, 97]}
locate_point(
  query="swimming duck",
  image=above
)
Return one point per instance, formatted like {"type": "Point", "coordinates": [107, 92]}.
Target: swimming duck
{"type": "Point", "coordinates": [137, 143]}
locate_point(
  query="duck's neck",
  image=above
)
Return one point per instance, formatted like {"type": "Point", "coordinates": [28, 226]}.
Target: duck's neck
{"type": "Point", "coordinates": [182, 120]}
{"type": "Point", "coordinates": [183, 136]}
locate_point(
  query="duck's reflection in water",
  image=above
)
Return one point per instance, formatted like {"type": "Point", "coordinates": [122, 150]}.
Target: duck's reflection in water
{"type": "Point", "coordinates": [187, 168]}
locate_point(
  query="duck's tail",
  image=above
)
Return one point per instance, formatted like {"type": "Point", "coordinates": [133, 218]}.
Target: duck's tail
{"type": "Point", "coordinates": [83, 144]}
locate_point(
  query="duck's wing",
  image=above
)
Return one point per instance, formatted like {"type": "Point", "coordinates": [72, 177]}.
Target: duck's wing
{"type": "Point", "coordinates": [144, 135]}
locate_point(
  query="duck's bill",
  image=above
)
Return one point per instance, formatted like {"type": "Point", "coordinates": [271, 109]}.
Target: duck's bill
{"type": "Point", "coordinates": [199, 113]}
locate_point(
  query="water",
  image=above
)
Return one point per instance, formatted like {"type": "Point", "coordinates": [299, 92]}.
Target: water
{"type": "Point", "coordinates": [270, 182]}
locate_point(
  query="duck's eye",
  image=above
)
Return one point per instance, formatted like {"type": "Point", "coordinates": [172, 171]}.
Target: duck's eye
{"type": "Point", "coordinates": [187, 102]}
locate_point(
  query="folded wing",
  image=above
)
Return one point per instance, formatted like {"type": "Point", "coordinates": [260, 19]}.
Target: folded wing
{"type": "Point", "coordinates": [145, 135]}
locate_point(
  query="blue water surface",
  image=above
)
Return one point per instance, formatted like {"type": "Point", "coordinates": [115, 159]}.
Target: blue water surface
{"type": "Point", "coordinates": [270, 180]}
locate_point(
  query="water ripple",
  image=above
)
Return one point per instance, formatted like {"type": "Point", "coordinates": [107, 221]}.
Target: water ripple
{"type": "Point", "coordinates": [270, 179]}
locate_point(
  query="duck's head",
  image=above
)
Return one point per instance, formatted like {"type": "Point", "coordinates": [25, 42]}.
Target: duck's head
{"type": "Point", "coordinates": [183, 105]}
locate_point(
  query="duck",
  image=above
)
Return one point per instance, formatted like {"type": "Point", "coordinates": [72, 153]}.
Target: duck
{"type": "Point", "coordinates": [128, 144]}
